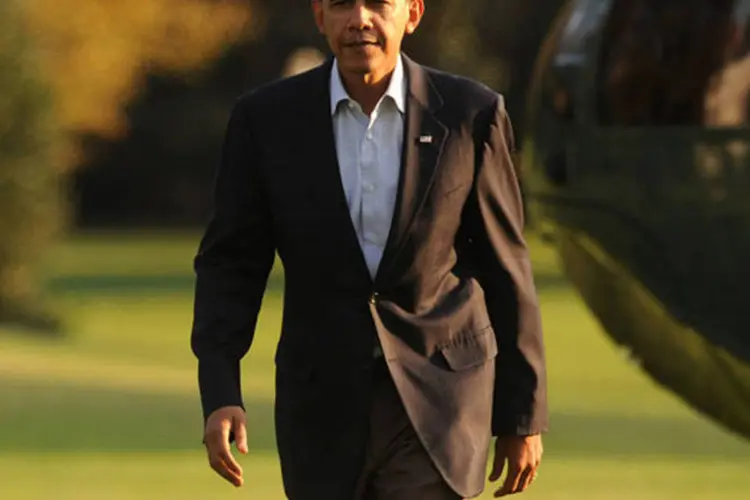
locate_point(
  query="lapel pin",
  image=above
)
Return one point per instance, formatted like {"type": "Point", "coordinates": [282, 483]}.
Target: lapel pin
{"type": "Point", "coordinates": [425, 139]}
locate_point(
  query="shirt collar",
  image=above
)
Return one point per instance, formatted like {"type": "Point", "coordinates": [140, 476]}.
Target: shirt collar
{"type": "Point", "coordinates": [396, 87]}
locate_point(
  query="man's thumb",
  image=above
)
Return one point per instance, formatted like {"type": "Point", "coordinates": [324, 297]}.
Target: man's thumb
{"type": "Point", "coordinates": [240, 434]}
{"type": "Point", "coordinates": [497, 467]}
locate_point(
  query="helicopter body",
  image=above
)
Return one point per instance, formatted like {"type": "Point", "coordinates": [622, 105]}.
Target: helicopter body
{"type": "Point", "coordinates": [637, 166]}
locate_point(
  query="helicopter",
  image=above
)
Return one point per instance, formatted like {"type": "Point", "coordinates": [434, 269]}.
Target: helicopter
{"type": "Point", "coordinates": [636, 168]}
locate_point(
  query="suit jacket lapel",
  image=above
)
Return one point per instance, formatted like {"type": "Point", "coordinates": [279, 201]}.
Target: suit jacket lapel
{"type": "Point", "coordinates": [424, 138]}
{"type": "Point", "coordinates": [325, 181]}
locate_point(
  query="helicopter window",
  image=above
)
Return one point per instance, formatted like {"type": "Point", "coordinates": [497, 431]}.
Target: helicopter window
{"type": "Point", "coordinates": [674, 63]}
{"type": "Point", "coordinates": [551, 96]}
{"type": "Point", "coordinates": [556, 98]}
{"type": "Point", "coordinates": [728, 96]}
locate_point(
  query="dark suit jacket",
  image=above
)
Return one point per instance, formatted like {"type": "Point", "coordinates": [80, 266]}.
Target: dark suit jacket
{"type": "Point", "coordinates": [453, 304]}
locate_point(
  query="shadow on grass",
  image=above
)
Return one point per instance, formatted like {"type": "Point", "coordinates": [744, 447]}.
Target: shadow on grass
{"type": "Point", "coordinates": [124, 284]}
{"type": "Point", "coordinates": [54, 418]}
{"type": "Point", "coordinates": [120, 284]}
{"type": "Point", "coordinates": [640, 436]}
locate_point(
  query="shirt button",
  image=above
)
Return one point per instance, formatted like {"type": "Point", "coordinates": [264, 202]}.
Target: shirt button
{"type": "Point", "coordinates": [369, 188]}
{"type": "Point", "coordinates": [369, 136]}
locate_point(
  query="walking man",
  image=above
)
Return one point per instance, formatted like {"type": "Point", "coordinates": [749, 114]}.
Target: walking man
{"type": "Point", "coordinates": [411, 333]}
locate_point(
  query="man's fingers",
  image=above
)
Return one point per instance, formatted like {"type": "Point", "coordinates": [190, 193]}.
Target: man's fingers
{"type": "Point", "coordinates": [511, 481]}
{"type": "Point", "coordinates": [525, 479]}
{"type": "Point", "coordinates": [501, 455]}
{"type": "Point", "coordinates": [220, 456]}
{"type": "Point", "coordinates": [220, 425]}
{"type": "Point", "coordinates": [530, 478]}
{"type": "Point", "coordinates": [240, 434]}
{"type": "Point", "coordinates": [220, 450]}
{"type": "Point", "coordinates": [231, 464]}
{"type": "Point", "coordinates": [222, 468]}
{"type": "Point", "coordinates": [497, 468]}
{"type": "Point", "coordinates": [524, 454]}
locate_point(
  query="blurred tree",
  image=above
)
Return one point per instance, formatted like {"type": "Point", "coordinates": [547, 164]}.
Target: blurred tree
{"type": "Point", "coordinates": [96, 53]}
{"type": "Point", "coordinates": [30, 201]}
{"type": "Point", "coordinates": [494, 41]}
{"type": "Point", "coordinates": [89, 59]}
{"type": "Point", "coordinates": [168, 157]}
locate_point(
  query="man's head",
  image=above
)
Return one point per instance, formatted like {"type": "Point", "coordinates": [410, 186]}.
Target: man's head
{"type": "Point", "coordinates": [365, 35]}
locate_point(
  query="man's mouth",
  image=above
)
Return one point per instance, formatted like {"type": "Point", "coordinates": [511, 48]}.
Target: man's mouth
{"type": "Point", "coordinates": [362, 43]}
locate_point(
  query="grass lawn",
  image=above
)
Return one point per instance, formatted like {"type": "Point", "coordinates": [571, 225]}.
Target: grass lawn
{"type": "Point", "coordinates": [112, 412]}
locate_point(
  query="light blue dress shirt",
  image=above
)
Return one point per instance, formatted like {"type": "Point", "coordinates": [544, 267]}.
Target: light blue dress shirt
{"type": "Point", "coordinates": [369, 156]}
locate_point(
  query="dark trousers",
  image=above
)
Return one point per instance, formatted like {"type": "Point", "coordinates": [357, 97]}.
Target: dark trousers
{"type": "Point", "coordinates": [396, 466]}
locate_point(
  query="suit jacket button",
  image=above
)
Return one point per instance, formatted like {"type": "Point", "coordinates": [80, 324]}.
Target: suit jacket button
{"type": "Point", "coordinates": [374, 298]}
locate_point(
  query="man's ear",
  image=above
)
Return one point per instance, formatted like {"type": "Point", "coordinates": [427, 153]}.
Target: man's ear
{"type": "Point", "coordinates": [416, 11]}
{"type": "Point", "coordinates": [317, 8]}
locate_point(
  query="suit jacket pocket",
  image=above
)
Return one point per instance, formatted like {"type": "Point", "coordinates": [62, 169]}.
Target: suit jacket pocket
{"type": "Point", "coordinates": [470, 351]}
{"type": "Point", "coordinates": [454, 189]}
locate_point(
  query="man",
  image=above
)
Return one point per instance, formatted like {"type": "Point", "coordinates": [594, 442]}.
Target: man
{"type": "Point", "coordinates": [411, 332]}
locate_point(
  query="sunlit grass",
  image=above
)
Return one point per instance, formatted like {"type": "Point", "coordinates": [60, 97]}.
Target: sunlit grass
{"type": "Point", "coordinates": [112, 411]}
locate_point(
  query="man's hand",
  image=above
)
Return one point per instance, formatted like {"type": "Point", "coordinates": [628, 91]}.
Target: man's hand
{"type": "Point", "coordinates": [523, 453]}
{"type": "Point", "coordinates": [219, 425]}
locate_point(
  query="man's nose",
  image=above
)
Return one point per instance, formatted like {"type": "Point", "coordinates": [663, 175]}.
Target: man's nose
{"type": "Point", "coordinates": [361, 16]}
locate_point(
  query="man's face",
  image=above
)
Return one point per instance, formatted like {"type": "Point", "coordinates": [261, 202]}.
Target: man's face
{"type": "Point", "coordinates": [365, 35]}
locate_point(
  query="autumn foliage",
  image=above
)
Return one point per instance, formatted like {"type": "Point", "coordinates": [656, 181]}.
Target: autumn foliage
{"type": "Point", "coordinates": [96, 53]}
{"type": "Point", "coordinates": [69, 68]}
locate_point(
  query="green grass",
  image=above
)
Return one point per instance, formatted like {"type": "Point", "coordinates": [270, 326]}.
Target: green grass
{"type": "Point", "coordinates": [112, 411]}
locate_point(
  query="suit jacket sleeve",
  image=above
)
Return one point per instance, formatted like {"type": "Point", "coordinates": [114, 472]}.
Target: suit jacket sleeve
{"type": "Point", "coordinates": [494, 220]}
{"type": "Point", "coordinates": [232, 266]}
